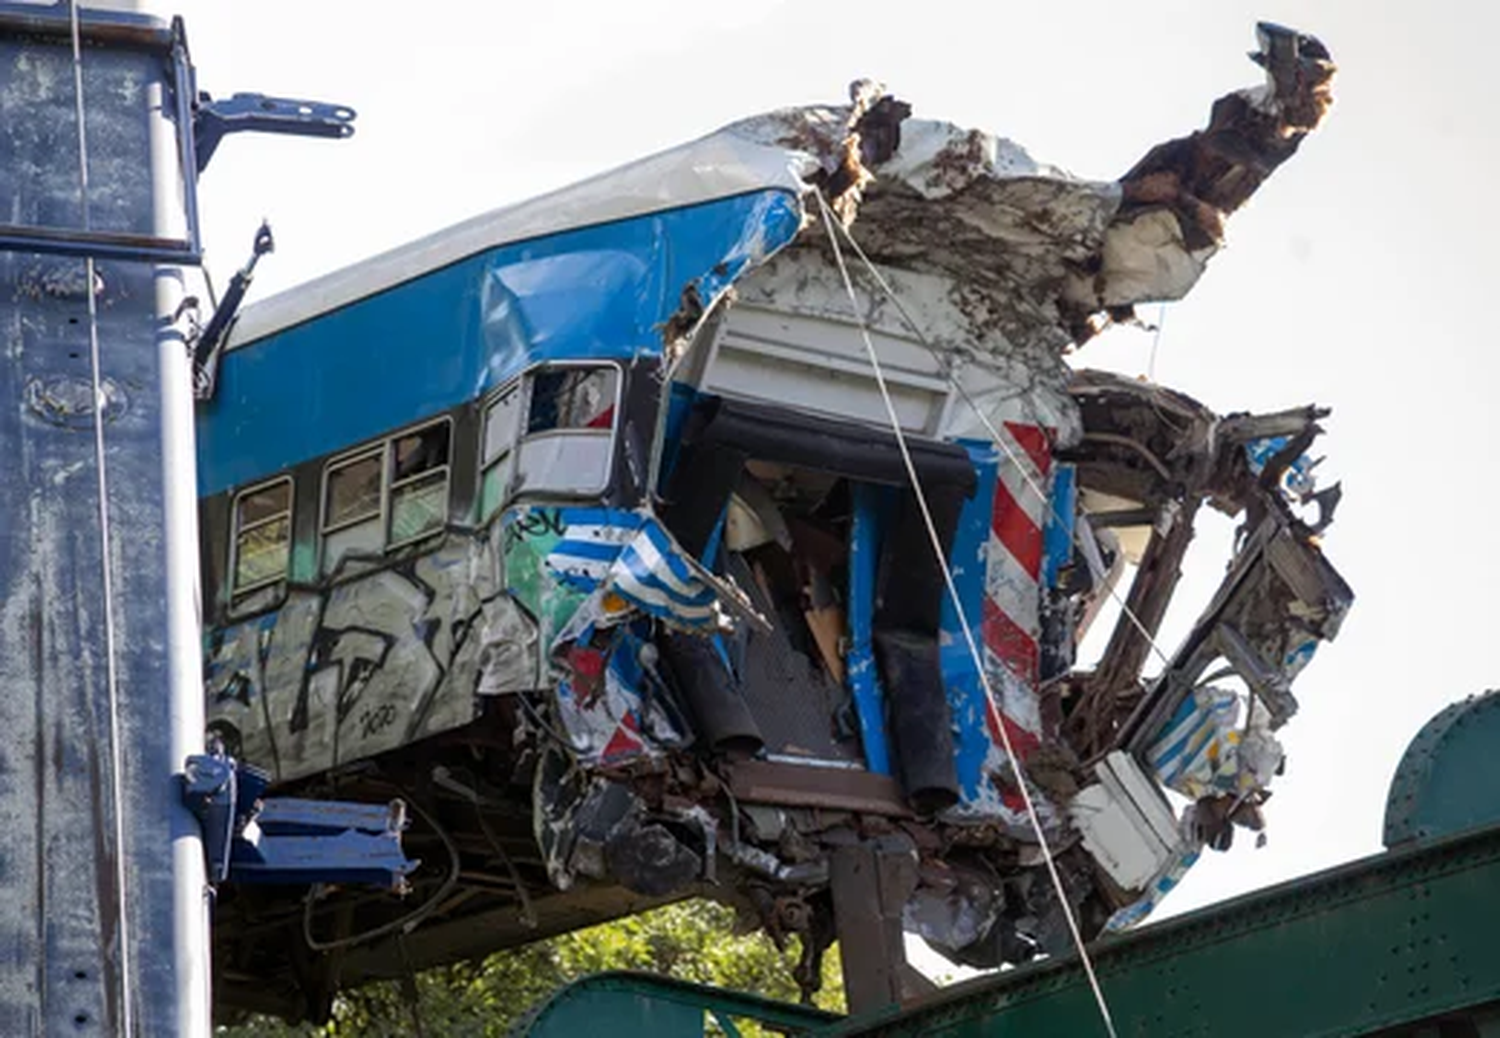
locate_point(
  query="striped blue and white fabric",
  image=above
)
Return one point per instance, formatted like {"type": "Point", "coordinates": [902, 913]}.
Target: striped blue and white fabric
{"type": "Point", "coordinates": [1195, 753]}
{"type": "Point", "coordinates": [630, 554]}
{"type": "Point", "coordinates": [591, 541]}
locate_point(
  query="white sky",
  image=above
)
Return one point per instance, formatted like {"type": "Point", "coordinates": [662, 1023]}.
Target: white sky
{"type": "Point", "coordinates": [1352, 279]}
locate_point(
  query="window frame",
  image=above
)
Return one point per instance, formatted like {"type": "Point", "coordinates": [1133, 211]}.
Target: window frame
{"type": "Point", "coordinates": [237, 591]}
{"type": "Point", "coordinates": [384, 450]}
{"type": "Point", "coordinates": [524, 384]}
{"type": "Point", "coordinates": [390, 484]}
{"type": "Point", "coordinates": [341, 462]}
{"type": "Point", "coordinates": [520, 386]}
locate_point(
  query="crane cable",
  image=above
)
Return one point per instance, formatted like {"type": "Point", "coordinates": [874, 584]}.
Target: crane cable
{"type": "Point", "coordinates": [111, 672]}
{"type": "Point", "coordinates": [937, 547]}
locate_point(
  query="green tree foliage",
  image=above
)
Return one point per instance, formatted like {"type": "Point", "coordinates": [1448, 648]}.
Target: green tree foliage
{"type": "Point", "coordinates": [693, 940]}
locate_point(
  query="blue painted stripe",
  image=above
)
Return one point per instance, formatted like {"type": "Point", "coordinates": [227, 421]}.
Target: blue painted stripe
{"type": "Point", "coordinates": [631, 554]}
{"type": "Point", "coordinates": [651, 589]}
{"type": "Point", "coordinates": [449, 336]}
{"type": "Point", "coordinates": [660, 576]}
{"type": "Point", "coordinates": [1057, 534]}
{"type": "Point", "coordinates": [586, 551]}
{"type": "Point", "coordinates": [573, 518]}
{"type": "Point", "coordinates": [862, 676]}
{"type": "Point", "coordinates": [654, 552]}
{"type": "Point", "coordinates": [966, 699]}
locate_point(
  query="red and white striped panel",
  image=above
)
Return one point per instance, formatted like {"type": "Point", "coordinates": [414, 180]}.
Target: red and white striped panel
{"type": "Point", "coordinates": [1012, 603]}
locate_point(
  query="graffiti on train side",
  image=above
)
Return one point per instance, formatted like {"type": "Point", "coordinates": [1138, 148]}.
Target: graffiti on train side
{"type": "Point", "coordinates": [342, 673]}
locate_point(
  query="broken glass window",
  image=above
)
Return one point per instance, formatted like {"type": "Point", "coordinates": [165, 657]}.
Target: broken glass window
{"type": "Point", "coordinates": [563, 420]}
{"type": "Point", "coordinates": [352, 492]}
{"type": "Point", "coordinates": [568, 446]}
{"type": "Point", "coordinates": [418, 452]}
{"type": "Point", "coordinates": [571, 398]}
{"type": "Point", "coordinates": [419, 507]}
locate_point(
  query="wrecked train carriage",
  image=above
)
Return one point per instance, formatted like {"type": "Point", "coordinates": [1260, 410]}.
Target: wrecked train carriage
{"type": "Point", "coordinates": [585, 527]}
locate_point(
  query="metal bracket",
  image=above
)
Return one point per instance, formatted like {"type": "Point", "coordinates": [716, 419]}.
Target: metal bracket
{"type": "Point", "coordinates": [213, 120]}
{"type": "Point", "coordinates": [210, 340]}
{"type": "Point", "coordinates": [247, 839]}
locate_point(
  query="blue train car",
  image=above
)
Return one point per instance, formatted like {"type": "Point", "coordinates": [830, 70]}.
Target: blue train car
{"type": "Point", "coordinates": [667, 533]}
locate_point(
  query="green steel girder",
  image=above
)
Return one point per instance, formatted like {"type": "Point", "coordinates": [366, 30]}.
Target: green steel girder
{"type": "Point", "coordinates": [1401, 937]}
{"type": "Point", "coordinates": [1449, 776]}
{"type": "Point", "coordinates": [623, 1004]}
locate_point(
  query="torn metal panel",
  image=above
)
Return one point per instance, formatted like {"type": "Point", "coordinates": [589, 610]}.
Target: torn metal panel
{"type": "Point", "coordinates": [837, 789]}
{"type": "Point", "coordinates": [628, 560]}
{"type": "Point", "coordinates": [1280, 598]}
{"type": "Point", "coordinates": [715, 168]}
{"type": "Point", "coordinates": [1207, 749]}
{"type": "Point", "coordinates": [614, 708]}
{"type": "Point", "coordinates": [1175, 200]}
{"type": "Point", "coordinates": [790, 338]}
{"type": "Point", "coordinates": [967, 206]}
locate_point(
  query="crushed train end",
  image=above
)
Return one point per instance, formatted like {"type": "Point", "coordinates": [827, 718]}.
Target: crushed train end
{"type": "Point", "coordinates": [646, 582]}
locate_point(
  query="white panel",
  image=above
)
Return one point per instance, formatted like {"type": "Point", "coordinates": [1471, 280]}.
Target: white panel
{"type": "Point", "coordinates": [364, 538]}
{"type": "Point", "coordinates": [815, 364]}
{"type": "Point", "coordinates": [566, 462]}
{"type": "Point", "coordinates": [1128, 780]}
{"type": "Point", "coordinates": [1126, 823]}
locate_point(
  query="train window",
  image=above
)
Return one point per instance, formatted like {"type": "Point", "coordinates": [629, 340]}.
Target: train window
{"type": "Point", "coordinates": [568, 445]}
{"type": "Point", "coordinates": [419, 483]}
{"type": "Point", "coordinates": [351, 492]}
{"type": "Point", "coordinates": [262, 536]}
{"type": "Point", "coordinates": [387, 496]}
{"type": "Point", "coordinates": [571, 398]}
{"type": "Point", "coordinates": [552, 432]}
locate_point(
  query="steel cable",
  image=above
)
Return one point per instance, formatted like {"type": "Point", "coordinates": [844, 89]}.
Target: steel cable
{"type": "Point", "coordinates": [937, 547]}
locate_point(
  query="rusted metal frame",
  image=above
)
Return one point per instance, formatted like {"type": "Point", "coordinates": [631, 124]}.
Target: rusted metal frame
{"type": "Point", "coordinates": [1135, 445]}
{"type": "Point", "coordinates": [1135, 631]}
{"type": "Point", "coordinates": [834, 789]}
{"type": "Point", "coordinates": [103, 244]}
{"type": "Point", "coordinates": [122, 28]}
{"type": "Point", "coordinates": [1211, 638]}
{"type": "Point", "coordinates": [1124, 517]}
{"type": "Point", "coordinates": [441, 942]}
{"type": "Point", "coordinates": [871, 882]}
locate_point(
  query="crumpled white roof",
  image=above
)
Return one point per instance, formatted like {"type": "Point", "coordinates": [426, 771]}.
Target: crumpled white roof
{"type": "Point", "coordinates": [966, 204]}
